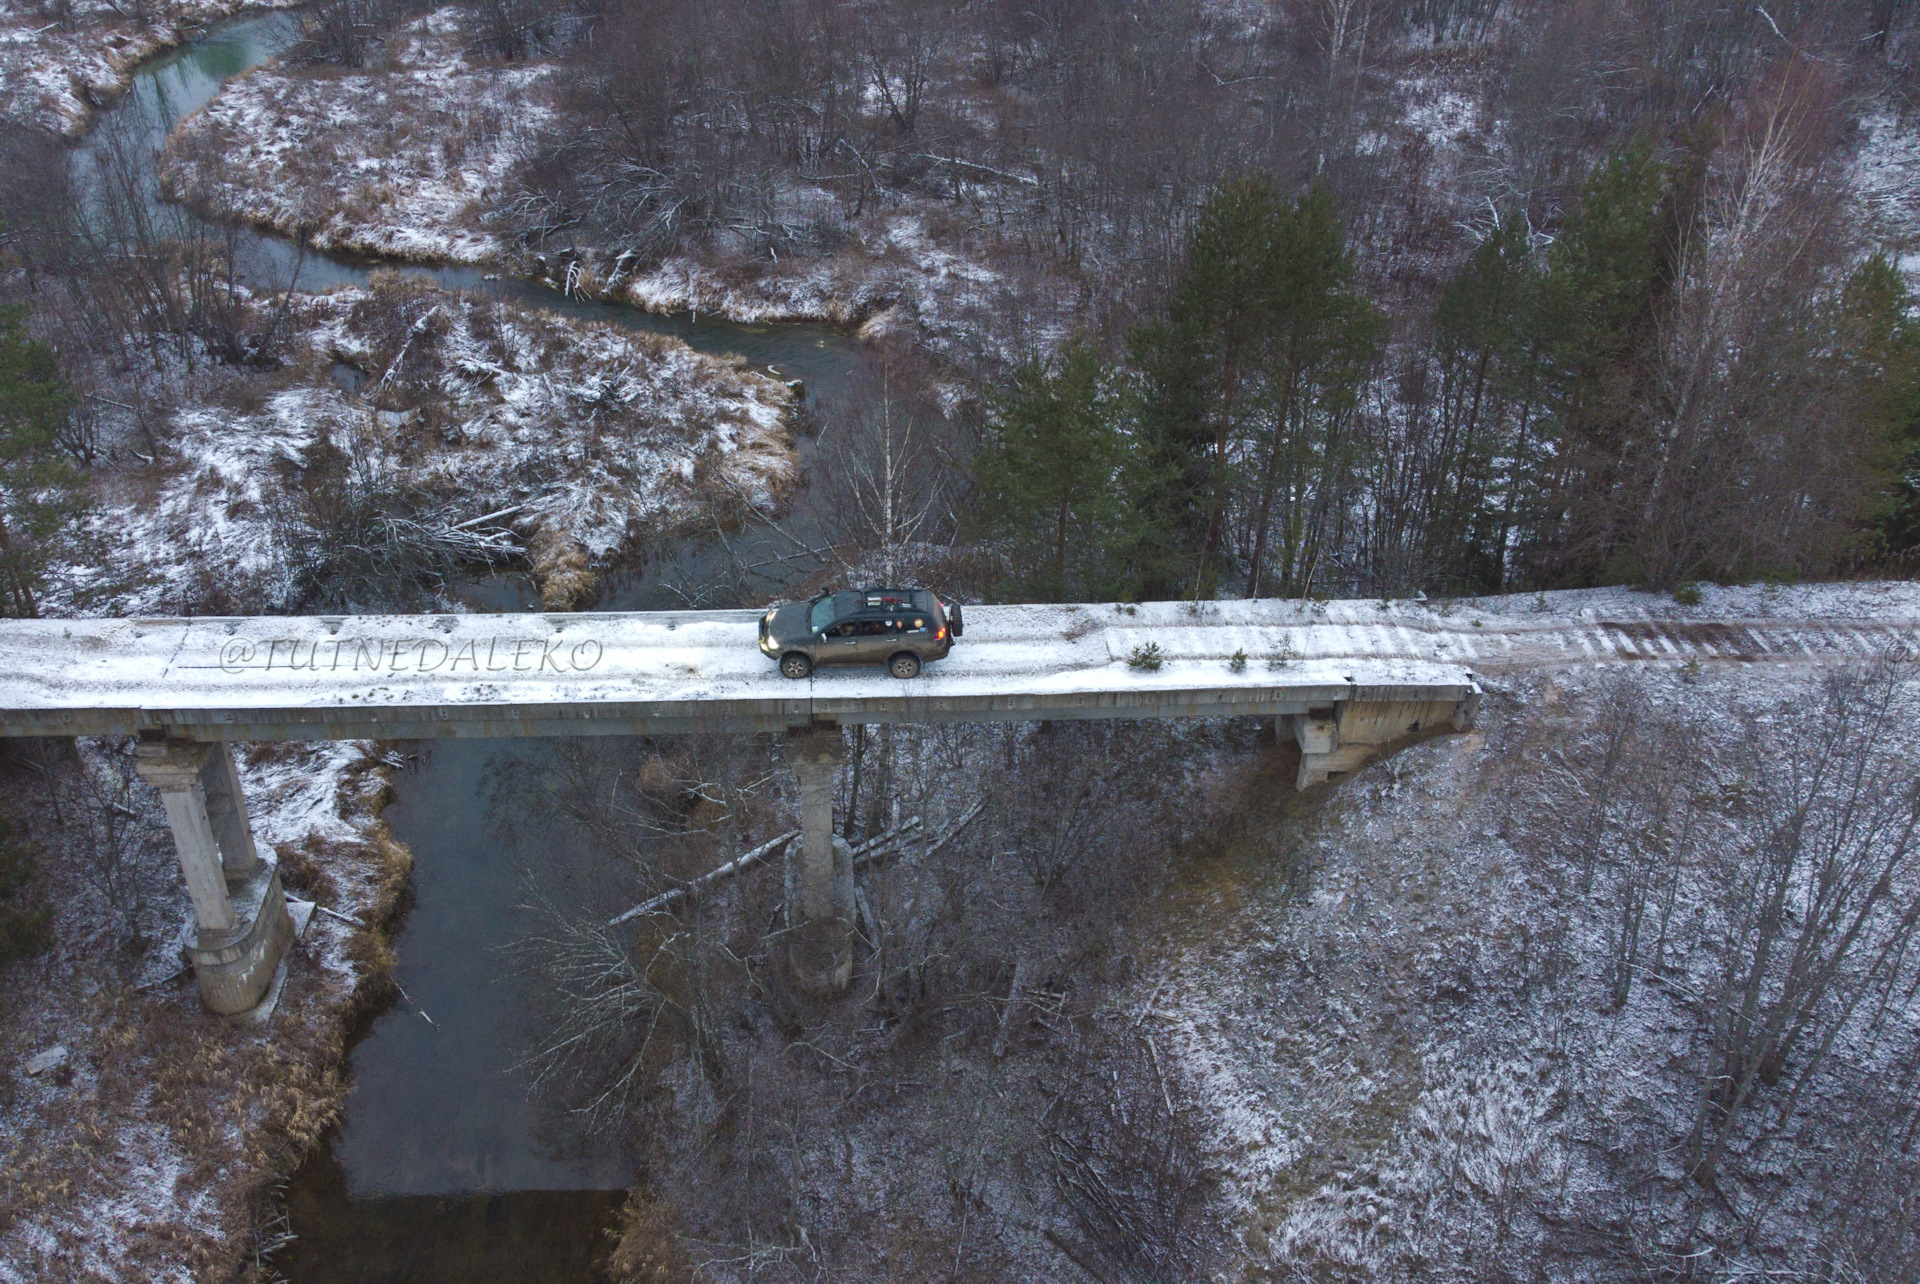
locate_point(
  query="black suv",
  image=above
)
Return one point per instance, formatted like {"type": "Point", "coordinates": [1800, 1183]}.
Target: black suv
{"type": "Point", "coordinates": [900, 628]}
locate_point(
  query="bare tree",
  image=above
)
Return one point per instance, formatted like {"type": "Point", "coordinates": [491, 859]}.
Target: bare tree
{"type": "Point", "coordinates": [1126, 1163]}
{"type": "Point", "coordinates": [1820, 902]}
{"type": "Point", "coordinates": [893, 468]}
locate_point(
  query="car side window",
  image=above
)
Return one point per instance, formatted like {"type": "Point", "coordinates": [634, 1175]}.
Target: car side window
{"type": "Point", "coordinates": [873, 628]}
{"type": "Point", "coordinates": [841, 630]}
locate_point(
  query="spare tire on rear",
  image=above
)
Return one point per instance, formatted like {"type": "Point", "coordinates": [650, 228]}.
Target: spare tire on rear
{"type": "Point", "coordinates": [955, 624]}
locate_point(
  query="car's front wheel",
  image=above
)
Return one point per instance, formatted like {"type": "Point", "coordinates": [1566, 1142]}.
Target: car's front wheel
{"type": "Point", "coordinates": [795, 665]}
{"type": "Point", "coordinates": [904, 665]}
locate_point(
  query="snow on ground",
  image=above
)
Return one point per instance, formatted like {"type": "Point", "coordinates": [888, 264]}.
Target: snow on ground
{"type": "Point", "coordinates": [151, 1159]}
{"type": "Point", "coordinates": [404, 161]}
{"type": "Point", "coordinates": [54, 72]}
{"type": "Point", "coordinates": [892, 272]}
{"type": "Point", "coordinates": [598, 437]}
{"type": "Point", "coordinates": [1399, 1036]}
{"type": "Point", "coordinates": [1886, 186]}
{"type": "Point", "coordinates": [413, 160]}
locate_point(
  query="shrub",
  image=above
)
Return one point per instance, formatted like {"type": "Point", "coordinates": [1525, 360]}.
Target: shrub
{"type": "Point", "coordinates": [1146, 656]}
{"type": "Point", "coordinates": [26, 925]}
{"type": "Point", "coordinates": [1687, 593]}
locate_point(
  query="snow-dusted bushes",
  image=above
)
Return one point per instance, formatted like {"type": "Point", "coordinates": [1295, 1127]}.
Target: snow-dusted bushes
{"type": "Point", "coordinates": [405, 160]}
{"type": "Point", "coordinates": [974, 1099]}
{"type": "Point", "coordinates": [479, 431]}
{"type": "Point", "coordinates": [1618, 987]}
{"type": "Point", "coordinates": [1767, 872]}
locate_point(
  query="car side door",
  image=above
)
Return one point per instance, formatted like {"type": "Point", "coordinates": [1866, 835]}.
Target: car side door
{"type": "Point", "coordinates": [875, 643]}
{"type": "Point", "coordinates": [839, 644]}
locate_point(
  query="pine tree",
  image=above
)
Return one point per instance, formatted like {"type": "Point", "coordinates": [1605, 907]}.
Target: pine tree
{"type": "Point", "coordinates": [1249, 387]}
{"type": "Point", "coordinates": [1197, 366]}
{"type": "Point", "coordinates": [1877, 349]}
{"type": "Point", "coordinates": [39, 486]}
{"type": "Point", "coordinates": [1488, 441]}
{"type": "Point", "coordinates": [1321, 343]}
{"type": "Point", "coordinates": [1598, 325]}
{"type": "Point", "coordinates": [1053, 484]}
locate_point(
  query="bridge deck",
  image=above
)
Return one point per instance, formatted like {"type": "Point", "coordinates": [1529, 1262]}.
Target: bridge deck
{"type": "Point", "coordinates": [497, 675]}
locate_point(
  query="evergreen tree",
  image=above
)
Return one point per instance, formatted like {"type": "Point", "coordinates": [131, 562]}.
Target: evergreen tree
{"type": "Point", "coordinates": [1877, 348]}
{"type": "Point", "coordinates": [1197, 366]}
{"type": "Point", "coordinates": [39, 486]}
{"type": "Point", "coordinates": [1249, 388]}
{"type": "Point", "coordinates": [1053, 485]}
{"type": "Point", "coordinates": [1321, 341]}
{"type": "Point", "coordinates": [1487, 442]}
{"type": "Point", "coordinates": [1597, 323]}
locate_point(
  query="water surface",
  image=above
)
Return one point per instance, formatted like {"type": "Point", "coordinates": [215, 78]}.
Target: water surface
{"type": "Point", "coordinates": [441, 1169]}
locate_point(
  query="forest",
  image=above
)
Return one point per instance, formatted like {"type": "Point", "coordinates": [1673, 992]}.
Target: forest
{"type": "Point", "coordinates": [1513, 312]}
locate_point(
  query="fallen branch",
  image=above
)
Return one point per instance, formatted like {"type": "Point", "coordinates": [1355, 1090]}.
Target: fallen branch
{"type": "Point", "coordinates": [405, 343]}
{"type": "Point", "coordinates": [972, 814]}
{"type": "Point", "coordinates": [1025, 179]}
{"type": "Point", "coordinates": [673, 896]}
{"type": "Point", "coordinates": [504, 512]}
{"type": "Point", "coordinates": [865, 854]}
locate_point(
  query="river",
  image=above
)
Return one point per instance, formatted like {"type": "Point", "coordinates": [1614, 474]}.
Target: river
{"type": "Point", "coordinates": [441, 1170]}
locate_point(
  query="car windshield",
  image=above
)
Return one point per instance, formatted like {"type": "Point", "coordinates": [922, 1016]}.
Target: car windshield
{"type": "Point", "coordinates": [823, 614]}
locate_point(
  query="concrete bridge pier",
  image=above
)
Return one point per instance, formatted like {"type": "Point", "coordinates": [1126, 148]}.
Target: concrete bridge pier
{"type": "Point", "coordinates": [239, 910]}
{"type": "Point", "coordinates": [1341, 738]}
{"type": "Point", "coordinates": [819, 869]}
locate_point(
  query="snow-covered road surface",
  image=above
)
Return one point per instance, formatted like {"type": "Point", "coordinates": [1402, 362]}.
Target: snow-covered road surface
{"type": "Point", "coordinates": [496, 675]}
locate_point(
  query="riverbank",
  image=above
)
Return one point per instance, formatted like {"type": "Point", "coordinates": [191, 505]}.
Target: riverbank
{"type": "Point", "coordinates": [56, 73]}
{"type": "Point", "coordinates": [461, 428]}
{"type": "Point", "coordinates": [408, 160]}
{"type": "Point", "coordinates": [149, 1149]}
{"type": "Point", "coordinates": [423, 159]}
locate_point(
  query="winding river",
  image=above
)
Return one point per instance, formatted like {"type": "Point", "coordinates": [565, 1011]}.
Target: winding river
{"type": "Point", "coordinates": [441, 1170]}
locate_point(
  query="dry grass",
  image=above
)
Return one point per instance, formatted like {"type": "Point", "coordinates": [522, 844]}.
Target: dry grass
{"type": "Point", "coordinates": [560, 569]}
{"type": "Point", "coordinates": [158, 1158]}
{"type": "Point", "coordinates": [651, 1249]}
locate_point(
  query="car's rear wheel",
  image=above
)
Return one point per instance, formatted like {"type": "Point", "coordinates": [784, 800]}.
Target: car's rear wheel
{"type": "Point", "coordinates": [795, 665]}
{"type": "Point", "coordinates": [904, 665]}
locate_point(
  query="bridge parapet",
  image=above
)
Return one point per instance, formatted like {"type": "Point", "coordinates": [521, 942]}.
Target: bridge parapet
{"type": "Point", "coordinates": [405, 677]}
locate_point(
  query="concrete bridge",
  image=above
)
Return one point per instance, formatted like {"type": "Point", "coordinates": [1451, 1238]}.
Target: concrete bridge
{"type": "Point", "coordinates": [1342, 678]}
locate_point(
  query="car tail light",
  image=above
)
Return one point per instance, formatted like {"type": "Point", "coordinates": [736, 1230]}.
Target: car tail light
{"type": "Point", "coordinates": [940, 635]}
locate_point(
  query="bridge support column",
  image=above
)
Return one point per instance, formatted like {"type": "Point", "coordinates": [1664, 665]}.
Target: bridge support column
{"type": "Point", "coordinates": [1342, 738]}
{"type": "Point", "coordinates": [242, 928]}
{"type": "Point", "coordinates": [819, 870]}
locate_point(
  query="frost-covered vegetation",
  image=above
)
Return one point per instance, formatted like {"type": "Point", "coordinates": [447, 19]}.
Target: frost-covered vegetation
{"type": "Point", "coordinates": [405, 160]}
{"type": "Point", "coordinates": [1623, 979]}
{"type": "Point", "coordinates": [1620, 987]}
{"type": "Point", "coordinates": [1157, 299]}
{"type": "Point", "coordinates": [140, 1138]}
{"type": "Point", "coordinates": [1379, 298]}
{"type": "Point", "coordinates": [62, 60]}
{"type": "Point", "coordinates": [422, 434]}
